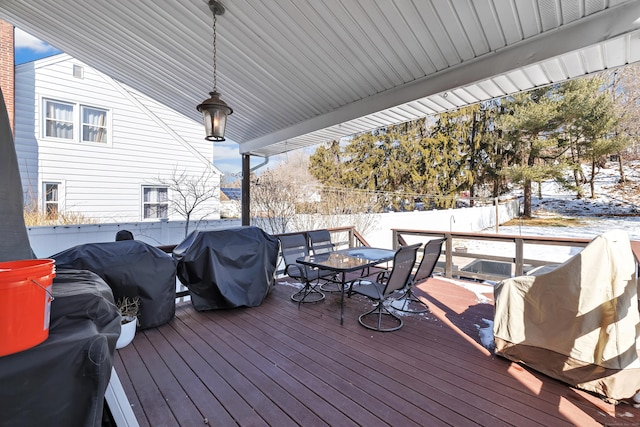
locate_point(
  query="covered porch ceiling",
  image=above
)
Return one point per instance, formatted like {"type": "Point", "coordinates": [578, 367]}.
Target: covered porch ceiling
{"type": "Point", "coordinates": [302, 72]}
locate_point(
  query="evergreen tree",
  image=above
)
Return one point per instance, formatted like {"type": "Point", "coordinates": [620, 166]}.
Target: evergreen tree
{"type": "Point", "coordinates": [529, 122]}
{"type": "Point", "coordinates": [325, 164]}
{"type": "Point", "coordinates": [449, 151]}
{"type": "Point", "coordinates": [590, 120]}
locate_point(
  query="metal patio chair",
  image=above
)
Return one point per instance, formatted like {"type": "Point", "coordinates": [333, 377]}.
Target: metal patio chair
{"type": "Point", "coordinates": [399, 278]}
{"type": "Point", "coordinates": [408, 301]}
{"type": "Point", "coordinates": [320, 243]}
{"type": "Point", "coordinates": [295, 246]}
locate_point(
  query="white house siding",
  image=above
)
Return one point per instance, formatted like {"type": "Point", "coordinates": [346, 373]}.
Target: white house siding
{"type": "Point", "coordinates": [104, 181]}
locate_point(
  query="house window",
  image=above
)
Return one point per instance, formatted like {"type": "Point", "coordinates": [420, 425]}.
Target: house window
{"type": "Point", "coordinates": [94, 124]}
{"type": "Point", "coordinates": [155, 202]}
{"type": "Point", "coordinates": [51, 200]}
{"type": "Point", "coordinates": [58, 119]}
{"type": "Point", "coordinates": [75, 122]}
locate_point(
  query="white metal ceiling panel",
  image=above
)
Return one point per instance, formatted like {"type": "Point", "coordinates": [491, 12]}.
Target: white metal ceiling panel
{"type": "Point", "coordinates": [574, 65]}
{"type": "Point", "coordinates": [505, 84]}
{"type": "Point", "coordinates": [593, 58]}
{"type": "Point", "coordinates": [527, 10]}
{"type": "Point", "coordinates": [536, 75]}
{"type": "Point", "coordinates": [465, 96]}
{"type": "Point", "coordinates": [615, 52]}
{"type": "Point", "coordinates": [554, 70]}
{"type": "Point", "coordinates": [295, 70]}
{"type": "Point", "coordinates": [477, 91]}
{"type": "Point", "coordinates": [633, 46]}
{"type": "Point", "coordinates": [520, 79]}
{"type": "Point", "coordinates": [550, 12]}
{"type": "Point", "coordinates": [491, 88]}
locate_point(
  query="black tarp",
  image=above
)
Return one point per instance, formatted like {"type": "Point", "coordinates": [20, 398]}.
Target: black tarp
{"type": "Point", "coordinates": [227, 268]}
{"type": "Point", "coordinates": [131, 269]}
{"type": "Point", "coordinates": [62, 381]}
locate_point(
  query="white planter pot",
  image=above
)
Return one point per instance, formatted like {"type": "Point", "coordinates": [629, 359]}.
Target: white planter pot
{"type": "Point", "coordinates": [127, 331]}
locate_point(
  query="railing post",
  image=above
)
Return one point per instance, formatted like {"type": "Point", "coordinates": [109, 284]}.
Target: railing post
{"type": "Point", "coordinates": [497, 215]}
{"type": "Point", "coordinates": [448, 265]}
{"type": "Point", "coordinates": [394, 239]}
{"type": "Point", "coordinates": [351, 238]}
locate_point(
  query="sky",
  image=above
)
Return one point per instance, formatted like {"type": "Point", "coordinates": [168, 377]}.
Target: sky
{"type": "Point", "coordinates": [226, 154]}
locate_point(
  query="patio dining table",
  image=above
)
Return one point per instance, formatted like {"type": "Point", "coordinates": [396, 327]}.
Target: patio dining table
{"type": "Point", "coordinates": [348, 260]}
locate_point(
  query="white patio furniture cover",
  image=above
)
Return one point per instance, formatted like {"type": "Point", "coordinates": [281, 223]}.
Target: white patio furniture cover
{"type": "Point", "coordinates": [578, 323]}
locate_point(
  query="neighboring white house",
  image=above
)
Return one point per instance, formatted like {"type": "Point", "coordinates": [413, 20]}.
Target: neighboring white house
{"type": "Point", "coordinates": [89, 144]}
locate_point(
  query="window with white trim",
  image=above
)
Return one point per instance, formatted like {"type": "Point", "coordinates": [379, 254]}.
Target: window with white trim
{"type": "Point", "coordinates": [75, 122]}
{"type": "Point", "coordinates": [51, 200]}
{"type": "Point", "coordinates": [94, 124]}
{"type": "Point", "coordinates": [58, 119]}
{"type": "Point", "coordinates": [155, 202]}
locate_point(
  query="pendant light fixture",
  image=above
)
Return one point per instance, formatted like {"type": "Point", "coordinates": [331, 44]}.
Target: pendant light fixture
{"type": "Point", "coordinates": [214, 109]}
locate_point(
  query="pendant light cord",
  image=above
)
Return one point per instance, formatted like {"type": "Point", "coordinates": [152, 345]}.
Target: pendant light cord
{"type": "Point", "coordinates": [215, 77]}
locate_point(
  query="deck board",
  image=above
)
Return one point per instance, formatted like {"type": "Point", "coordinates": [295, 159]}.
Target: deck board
{"type": "Point", "coordinates": [284, 365]}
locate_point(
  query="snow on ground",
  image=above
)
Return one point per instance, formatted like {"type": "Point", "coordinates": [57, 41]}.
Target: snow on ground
{"type": "Point", "coordinates": [613, 207]}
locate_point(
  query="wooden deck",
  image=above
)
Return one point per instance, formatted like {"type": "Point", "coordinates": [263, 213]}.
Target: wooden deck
{"type": "Point", "coordinates": [281, 365]}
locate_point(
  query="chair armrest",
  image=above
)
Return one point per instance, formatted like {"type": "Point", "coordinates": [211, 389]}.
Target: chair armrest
{"type": "Point", "coordinates": [298, 271]}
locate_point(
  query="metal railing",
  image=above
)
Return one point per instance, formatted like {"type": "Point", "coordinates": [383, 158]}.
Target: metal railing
{"type": "Point", "coordinates": [505, 256]}
{"type": "Point", "coordinates": [464, 256]}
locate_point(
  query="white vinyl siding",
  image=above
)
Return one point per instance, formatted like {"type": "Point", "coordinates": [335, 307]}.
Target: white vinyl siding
{"type": "Point", "coordinates": [103, 180]}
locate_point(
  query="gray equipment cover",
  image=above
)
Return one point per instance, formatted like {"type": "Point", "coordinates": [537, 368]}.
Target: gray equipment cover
{"type": "Point", "coordinates": [131, 269]}
{"type": "Point", "coordinates": [227, 268]}
{"type": "Point", "coordinates": [578, 323]}
{"type": "Point", "coordinates": [62, 381]}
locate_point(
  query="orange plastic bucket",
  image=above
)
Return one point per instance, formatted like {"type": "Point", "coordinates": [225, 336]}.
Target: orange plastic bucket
{"type": "Point", "coordinates": [25, 303]}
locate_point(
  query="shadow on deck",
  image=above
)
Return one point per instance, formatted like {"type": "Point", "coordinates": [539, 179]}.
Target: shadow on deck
{"type": "Point", "coordinates": [281, 365]}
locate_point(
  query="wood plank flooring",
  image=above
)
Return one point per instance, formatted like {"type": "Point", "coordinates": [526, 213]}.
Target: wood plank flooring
{"type": "Point", "coordinates": [284, 365]}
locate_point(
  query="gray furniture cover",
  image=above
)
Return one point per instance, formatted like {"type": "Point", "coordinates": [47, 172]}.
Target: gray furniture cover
{"type": "Point", "coordinates": [131, 269]}
{"type": "Point", "coordinates": [227, 268]}
{"type": "Point", "coordinates": [62, 381]}
{"type": "Point", "coordinates": [578, 323]}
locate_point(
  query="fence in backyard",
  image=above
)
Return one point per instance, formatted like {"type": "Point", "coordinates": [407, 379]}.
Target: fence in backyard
{"type": "Point", "coordinates": [49, 240]}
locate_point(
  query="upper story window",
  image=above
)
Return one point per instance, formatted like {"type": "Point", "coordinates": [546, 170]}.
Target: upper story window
{"type": "Point", "coordinates": [75, 122]}
{"type": "Point", "coordinates": [58, 119]}
{"type": "Point", "coordinates": [94, 124]}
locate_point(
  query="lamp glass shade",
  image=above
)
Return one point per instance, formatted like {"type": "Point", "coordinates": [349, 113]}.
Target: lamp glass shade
{"type": "Point", "coordinates": [215, 112]}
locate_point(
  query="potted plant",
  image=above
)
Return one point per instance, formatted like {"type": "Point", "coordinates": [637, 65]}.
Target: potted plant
{"type": "Point", "coordinates": [129, 308]}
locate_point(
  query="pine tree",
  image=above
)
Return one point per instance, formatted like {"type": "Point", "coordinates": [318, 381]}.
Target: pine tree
{"type": "Point", "coordinates": [529, 122]}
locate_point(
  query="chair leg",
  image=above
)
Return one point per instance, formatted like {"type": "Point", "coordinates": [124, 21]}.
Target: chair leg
{"type": "Point", "coordinates": [308, 294]}
{"type": "Point", "coordinates": [331, 285]}
{"type": "Point", "coordinates": [377, 312]}
{"type": "Point", "coordinates": [404, 302]}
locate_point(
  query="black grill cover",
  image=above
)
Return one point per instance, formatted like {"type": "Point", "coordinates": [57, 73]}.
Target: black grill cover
{"type": "Point", "coordinates": [131, 269]}
{"type": "Point", "coordinates": [227, 268]}
{"type": "Point", "coordinates": [62, 381]}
